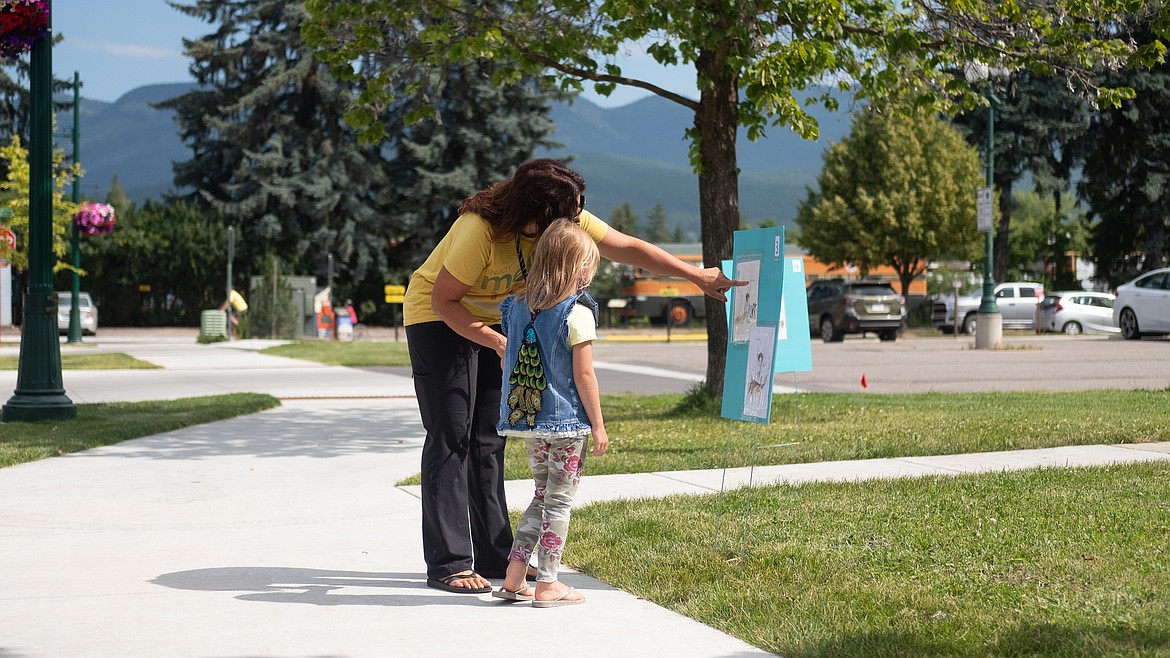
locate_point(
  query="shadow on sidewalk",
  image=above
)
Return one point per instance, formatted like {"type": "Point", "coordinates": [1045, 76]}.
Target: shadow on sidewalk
{"type": "Point", "coordinates": [285, 432]}
{"type": "Point", "coordinates": [308, 586]}
{"type": "Point", "coordinates": [327, 587]}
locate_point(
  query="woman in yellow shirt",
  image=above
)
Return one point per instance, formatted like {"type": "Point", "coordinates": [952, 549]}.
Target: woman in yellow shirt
{"type": "Point", "coordinates": [452, 314]}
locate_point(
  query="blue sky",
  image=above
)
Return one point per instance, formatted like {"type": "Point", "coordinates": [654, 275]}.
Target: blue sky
{"type": "Point", "coordinates": [118, 45]}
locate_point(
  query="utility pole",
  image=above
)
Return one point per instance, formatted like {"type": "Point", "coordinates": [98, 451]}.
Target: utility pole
{"type": "Point", "coordinates": [989, 326]}
{"type": "Point", "coordinates": [75, 301]}
{"type": "Point", "coordinates": [231, 255]}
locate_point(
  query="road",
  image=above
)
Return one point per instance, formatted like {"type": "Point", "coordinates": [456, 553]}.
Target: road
{"type": "Point", "coordinates": [909, 365]}
{"type": "Point", "coordinates": [912, 365]}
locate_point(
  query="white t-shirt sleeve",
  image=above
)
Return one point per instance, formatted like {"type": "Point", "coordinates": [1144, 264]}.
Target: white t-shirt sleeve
{"type": "Point", "coordinates": [582, 326]}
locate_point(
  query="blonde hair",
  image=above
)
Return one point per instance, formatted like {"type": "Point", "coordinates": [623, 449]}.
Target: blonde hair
{"type": "Point", "coordinates": [565, 262]}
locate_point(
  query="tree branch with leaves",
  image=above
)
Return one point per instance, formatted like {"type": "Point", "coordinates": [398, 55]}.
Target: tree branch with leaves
{"type": "Point", "coordinates": [757, 64]}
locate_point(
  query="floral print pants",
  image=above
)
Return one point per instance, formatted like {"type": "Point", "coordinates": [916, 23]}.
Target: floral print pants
{"type": "Point", "coordinates": [556, 468]}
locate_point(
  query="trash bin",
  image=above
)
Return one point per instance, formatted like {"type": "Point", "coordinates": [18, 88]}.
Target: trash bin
{"type": "Point", "coordinates": [344, 326]}
{"type": "Point", "coordinates": [213, 324]}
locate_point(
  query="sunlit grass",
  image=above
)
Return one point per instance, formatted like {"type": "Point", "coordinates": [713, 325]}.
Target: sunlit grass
{"type": "Point", "coordinates": [651, 433]}
{"type": "Point", "coordinates": [1055, 562]}
{"type": "Point", "coordinates": [339, 353]}
{"type": "Point", "coordinates": [99, 361]}
{"type": "Point", "coordinates": [113, 422]}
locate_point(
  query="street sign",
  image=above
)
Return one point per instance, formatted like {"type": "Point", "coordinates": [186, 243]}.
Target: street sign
{"type": "Point", "coordinates": [7, 238]}
{"type": "Point", "coordinates": [983, 209]}
{"type": "Point", "coordinates": [395, 294]}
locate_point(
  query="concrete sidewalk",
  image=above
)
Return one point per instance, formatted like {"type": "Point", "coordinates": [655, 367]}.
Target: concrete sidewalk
{"type": "Point", "coordinates": [275, 534]}
{"type": "Point", "coordinates": [282, 534]}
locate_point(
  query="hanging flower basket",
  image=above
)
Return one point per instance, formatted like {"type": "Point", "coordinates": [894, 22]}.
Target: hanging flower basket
{"type": "Point", "coordinates": [95, 219]}
{"type": "Point", "coordinates": [22, 22]}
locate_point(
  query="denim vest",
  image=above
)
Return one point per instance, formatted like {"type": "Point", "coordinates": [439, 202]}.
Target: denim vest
{"type": "Point", "coordinates": [561, 413]}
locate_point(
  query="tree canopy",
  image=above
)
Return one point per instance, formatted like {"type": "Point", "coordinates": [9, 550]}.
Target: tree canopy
{"type": "Point", "coordinates": [752, 61]}
{"type": "Point", "coordinates": [1038, 122]}
{"type": "Point", "coordinates": [899, 191]}
{"type": "Point", "coordinates": [14, 195]}
{"type": "Point", "coordinates": [1126, 179]}
{"type": "Point", "coordinates": [270, 151]}
{"type": "Point", "coordinates": [272, 154]}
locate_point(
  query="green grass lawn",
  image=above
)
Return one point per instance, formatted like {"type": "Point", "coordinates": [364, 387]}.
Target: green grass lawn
{"type": "Point", "coordinates": [1052, 562]}
{"type": "Point", "coordinates": [113, 422]}
{"type": "Point", "coordinates": [337, 353]}
{"type": "Point", "coordinates": [650, 433]}
{"type": "Point", "coordinates": [1048, 562]}
{"type": "Point", "coordinates": [100, 361]}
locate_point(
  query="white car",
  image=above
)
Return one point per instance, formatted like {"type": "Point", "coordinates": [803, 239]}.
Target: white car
{"type": "Point", "coordinates": [1017, 302]}
{"type": "Point", "coordinates": [1142, 307]}
{"type": "Point", "coordinates": [89, 313]}
{"type": "Point", "coordinates": [1076, 311]}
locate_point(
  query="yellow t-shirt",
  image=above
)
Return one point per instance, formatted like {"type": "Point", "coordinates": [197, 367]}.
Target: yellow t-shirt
{"type": "Point", "coordinates": [490, 268]}
{"type": "Point", "coordinates": [582, 325]}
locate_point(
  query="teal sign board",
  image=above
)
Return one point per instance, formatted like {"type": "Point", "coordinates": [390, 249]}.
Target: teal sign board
{"type": "Point", "coordinates": [758, 258]}
{"type": "Point", "coordinates": [793, 346]}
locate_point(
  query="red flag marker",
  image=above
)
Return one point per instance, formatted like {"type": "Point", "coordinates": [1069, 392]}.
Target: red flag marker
{"type": "Point", "coordinates": [863, 384]}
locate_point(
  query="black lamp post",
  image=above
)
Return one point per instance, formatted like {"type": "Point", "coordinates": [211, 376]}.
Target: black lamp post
{"type": "Point", "coordinates": [40, 392]}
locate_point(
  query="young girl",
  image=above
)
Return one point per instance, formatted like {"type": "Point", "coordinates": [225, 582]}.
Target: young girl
{"type": "Point", "coordinates": [551, 400]}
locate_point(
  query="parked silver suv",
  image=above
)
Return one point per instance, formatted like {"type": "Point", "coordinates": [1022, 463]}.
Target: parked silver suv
{"type": "Point", "coordinates": [1017, 303]}
{"type": "Point", "coordinates": [837, 307]}
{"type": "Point", "coordinates": [89, 312]}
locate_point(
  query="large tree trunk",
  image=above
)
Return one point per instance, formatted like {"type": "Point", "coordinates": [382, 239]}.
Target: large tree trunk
{"type": "Point", "coordinates": [717, 120]}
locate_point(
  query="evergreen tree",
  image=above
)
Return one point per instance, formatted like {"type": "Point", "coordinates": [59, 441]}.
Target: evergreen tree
{"type": "Point", "coordinates": [1038, 121]}
{"type": "Point", "coordinates": [271, 153]}
{"type": "Point", "coordinates": [624, 219]}
{"type": "Point", "coordinates": [482, 133]}
{"type": "Point", "coordinates": [15, 101]}
{"type": "Point", "coordinates": [1126, 179]}
{"type": "Point", "coordinates": [117, 198]}
{"type": "Point", "coordinates": [656, 230]}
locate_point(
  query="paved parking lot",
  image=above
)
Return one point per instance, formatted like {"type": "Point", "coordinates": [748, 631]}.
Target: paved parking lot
{"type": "Point", "coordinates": [917, 365]}
{"type": "Point", "coordinates": [912, 364]}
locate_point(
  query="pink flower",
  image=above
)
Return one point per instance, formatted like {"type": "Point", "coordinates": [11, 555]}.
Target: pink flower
{"type": "Point", "coordinates": [573, 464]}
{"type": "Point", "coordinates": [22, 22]}
{"type": "Point", "coordinates": [95, 219]}
{"type": "Point", "coordinates": [551, 541]}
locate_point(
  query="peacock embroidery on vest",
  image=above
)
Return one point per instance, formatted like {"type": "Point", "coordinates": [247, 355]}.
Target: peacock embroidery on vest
{"type": "Point", "coordinates": [527, 380]}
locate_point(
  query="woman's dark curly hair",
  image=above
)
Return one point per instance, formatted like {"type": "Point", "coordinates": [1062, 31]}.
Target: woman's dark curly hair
{"type": "Point", "coordinates": [540, 191]}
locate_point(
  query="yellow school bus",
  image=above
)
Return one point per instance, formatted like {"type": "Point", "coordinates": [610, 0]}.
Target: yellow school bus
{"type": "Point", "coordinates": [663, 299]}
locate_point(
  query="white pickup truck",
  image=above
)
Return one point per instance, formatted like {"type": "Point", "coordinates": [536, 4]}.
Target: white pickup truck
{"type": "Point", "coordinates": [1017, 303]}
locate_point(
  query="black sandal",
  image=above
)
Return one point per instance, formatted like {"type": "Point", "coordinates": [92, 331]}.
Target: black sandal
{"type": "Point", "coordinates": [445, 584]}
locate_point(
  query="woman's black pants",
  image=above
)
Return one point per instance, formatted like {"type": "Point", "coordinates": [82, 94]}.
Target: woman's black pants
{"type": "Point", "coordinates": [464, 515]}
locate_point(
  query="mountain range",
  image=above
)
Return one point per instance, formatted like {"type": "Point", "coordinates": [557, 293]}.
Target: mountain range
{"type": "Point", "coordinates": [634, 154]}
